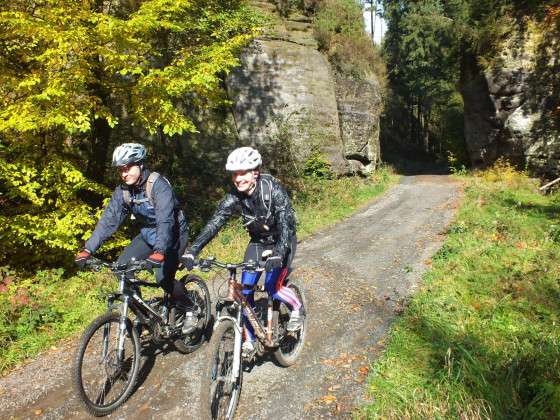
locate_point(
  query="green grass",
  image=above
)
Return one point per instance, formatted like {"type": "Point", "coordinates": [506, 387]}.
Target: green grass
{"type": "Point", "coordinates": [481, 338]}
{"type": "Point", "coordinates": [38, 312]}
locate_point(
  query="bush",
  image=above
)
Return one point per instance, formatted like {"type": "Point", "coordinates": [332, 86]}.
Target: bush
{"type": "Point", "coordinates": [46, 211]}
{"type": "Point", "coordinates": [317, 166]}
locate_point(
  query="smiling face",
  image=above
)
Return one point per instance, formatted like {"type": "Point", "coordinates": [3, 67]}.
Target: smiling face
{"type": "Point", "coordinates": [245, 181]}
{"type": "Point", "coordinates": [130, 173]}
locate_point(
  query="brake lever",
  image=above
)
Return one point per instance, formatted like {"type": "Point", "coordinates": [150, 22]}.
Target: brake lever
{"type": "Point", "coordinates": [93, 264]}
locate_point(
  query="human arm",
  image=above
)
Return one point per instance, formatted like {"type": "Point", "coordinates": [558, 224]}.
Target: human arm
{"type": "Point", "coordinates": [284, 220]}
{"type": "Point", "coordinates": [227, 207]}
{"type": "Point", "coordinates": [113, 216]}
{"type": "Point", "coordinates": [164, 205]}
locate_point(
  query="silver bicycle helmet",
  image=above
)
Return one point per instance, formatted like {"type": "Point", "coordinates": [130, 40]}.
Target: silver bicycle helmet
{"type": "Point", "coordinates": [243, 159]}
{"type": "Point", "coordinates": [128, 153]}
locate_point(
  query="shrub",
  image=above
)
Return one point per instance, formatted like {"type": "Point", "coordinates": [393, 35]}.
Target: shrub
{"type": "Point", "coordinates": [317, 166]}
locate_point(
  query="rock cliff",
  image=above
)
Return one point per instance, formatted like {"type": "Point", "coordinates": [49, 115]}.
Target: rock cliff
{"type": "Point", "coordinates": [286, 96]}
{"type": "Point", "coordinates": [512, 104]}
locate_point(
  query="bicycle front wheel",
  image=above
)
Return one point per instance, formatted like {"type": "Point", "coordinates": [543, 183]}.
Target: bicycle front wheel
{"type": "Point", "coordinates": [221, 385]}
{"type": "Point", "coordinates": [104, 378]}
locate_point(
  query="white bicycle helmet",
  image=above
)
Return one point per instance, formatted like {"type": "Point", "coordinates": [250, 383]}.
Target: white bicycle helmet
{"type": "Point", "coordinates": [128, 153]}
{"type": "Point", "coordinates": [243, 159]}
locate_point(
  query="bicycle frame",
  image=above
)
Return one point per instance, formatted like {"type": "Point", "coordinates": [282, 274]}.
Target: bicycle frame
{"type": "Point", "coordinates": [264, 334]}
{"type": "Point", "coordinates": [130, 300]}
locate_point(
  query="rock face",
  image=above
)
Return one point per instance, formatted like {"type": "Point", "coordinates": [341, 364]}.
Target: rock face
{"type": "Point", "coordinates": [283, 91]}
{"type": "Point", "coordinates": [511, 107]}
{"type": "Point", "coordinates": [359, 109]}
{"type": "Point", "coordinates": [286, 101]}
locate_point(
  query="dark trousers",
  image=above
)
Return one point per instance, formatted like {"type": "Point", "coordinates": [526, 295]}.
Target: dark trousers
{"type": "Point", "coordinates": [165, 275]}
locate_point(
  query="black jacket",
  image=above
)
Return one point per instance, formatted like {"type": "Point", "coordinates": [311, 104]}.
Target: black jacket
{"type": "Point", "coordinates": [161, 224]}
{"type": "Point", "coordinates": [267, 215]}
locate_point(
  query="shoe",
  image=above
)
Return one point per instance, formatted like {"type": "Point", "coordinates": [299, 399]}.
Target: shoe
{"type": "Point", "coordinates": [190, 322]}
{"type": "Point", "coordinates": [296, 321]}
{"type": "Point", "coordinates": [247, 349]}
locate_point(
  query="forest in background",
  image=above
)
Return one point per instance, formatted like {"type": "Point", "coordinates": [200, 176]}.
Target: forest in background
{"type": "Point", "coordinates": [79, 78]}
{"type": "Point", "coordinates": [427, 45]}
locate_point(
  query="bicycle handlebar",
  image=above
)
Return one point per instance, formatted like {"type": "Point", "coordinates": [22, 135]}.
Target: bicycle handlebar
{"type": "Point", "coordinates": [133, 265]}
{"type": "Point", "coordinates": [204, 264]}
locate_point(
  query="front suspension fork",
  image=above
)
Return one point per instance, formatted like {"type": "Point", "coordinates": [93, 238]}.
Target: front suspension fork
{"type": "Point", "coordinates": [122, 328]}
{"type": "Point", "coordinates": [237, 345]}
{"type": "Point", "coordinates": [107, 328]}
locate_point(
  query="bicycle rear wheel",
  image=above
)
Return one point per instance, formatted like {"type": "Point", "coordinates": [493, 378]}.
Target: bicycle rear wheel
{"type": "Point", "coordinates": [220, 391]}
{"type": "Point", "coordinates": [102, 379]}
{"type": "Point", "coordinates": [199, 295]}
{"type": "Point", "coordinates": [290, 343]}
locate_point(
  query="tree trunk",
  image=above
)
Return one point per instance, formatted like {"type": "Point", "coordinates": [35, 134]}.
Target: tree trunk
{"type": "Point", "coordinates": [100, 143]}
{"type": "Point", "coordinates": [373, 14]}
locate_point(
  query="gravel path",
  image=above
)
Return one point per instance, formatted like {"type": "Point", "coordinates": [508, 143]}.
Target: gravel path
{"type": "Point", "coordinates": [356, 275]}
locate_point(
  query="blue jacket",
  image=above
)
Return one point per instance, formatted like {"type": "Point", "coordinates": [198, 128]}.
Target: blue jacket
{"type": "Point", "coordinates": [161, 224]}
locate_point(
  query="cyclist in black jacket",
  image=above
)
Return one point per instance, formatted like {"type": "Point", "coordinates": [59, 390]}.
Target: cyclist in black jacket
{"type": "Point", "coordinates": [149, 198]}
{"type": "Point", "coordinates": [269, 218]}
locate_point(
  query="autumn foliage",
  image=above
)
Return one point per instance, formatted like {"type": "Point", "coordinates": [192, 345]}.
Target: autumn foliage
{"type": "Point", "coordinates": [74, 72]}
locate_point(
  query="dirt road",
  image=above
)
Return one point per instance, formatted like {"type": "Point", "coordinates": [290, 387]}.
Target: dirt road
{"type": "Point", "coordinates": [356, 276]}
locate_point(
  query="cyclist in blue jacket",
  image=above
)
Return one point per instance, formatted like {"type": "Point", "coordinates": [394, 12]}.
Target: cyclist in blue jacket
{"type": "Point", "coordinates": [149, 198]}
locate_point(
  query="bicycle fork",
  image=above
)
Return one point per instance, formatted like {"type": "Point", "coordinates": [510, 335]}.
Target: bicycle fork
{"type": "Point", "coordinates": [237, 346]}
{"type": "Point", "coordinates": [121, 335]}
{"type": "Point", "coordinates": [122, 328]}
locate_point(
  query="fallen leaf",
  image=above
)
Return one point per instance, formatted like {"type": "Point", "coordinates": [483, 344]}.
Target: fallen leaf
{"type": "Point", "coordinates": [328, 399]}
{"type": "Point", "coordinates": [38, 412]}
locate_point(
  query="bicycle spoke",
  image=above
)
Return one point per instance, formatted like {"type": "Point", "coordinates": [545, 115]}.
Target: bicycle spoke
{"type": "Point", "coordinates": [106, 379]}
{"type": "Point", "coordinates": [222, 388]}
{"type": "Point", "coordinates": [101, 396]}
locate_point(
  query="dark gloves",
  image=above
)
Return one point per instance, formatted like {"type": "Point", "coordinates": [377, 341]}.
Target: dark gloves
{"type": "Point", "coordinates": [188, 259]}
{"type": "Point", "coordinates": [154, 261]}
{"type": "Point", "coordinates": [81, 258]}
{"type": "Point", "coordinates": [273, 262]}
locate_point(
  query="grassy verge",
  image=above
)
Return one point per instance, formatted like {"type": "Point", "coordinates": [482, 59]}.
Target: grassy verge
{"type": "Point", "coordinates": [481, 340]}
{"type": "Point", "coordinates": [36, 313]}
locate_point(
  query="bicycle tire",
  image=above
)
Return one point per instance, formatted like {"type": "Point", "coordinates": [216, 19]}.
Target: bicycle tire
{"type": "Point", "coordinates": [192, 341]}
{"type": "Point", "coordinates": [290, 347]}
{"type": "Point", "coordinates": [109, 363]}
{"type": "Point", "coordinates": [220, 360]}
